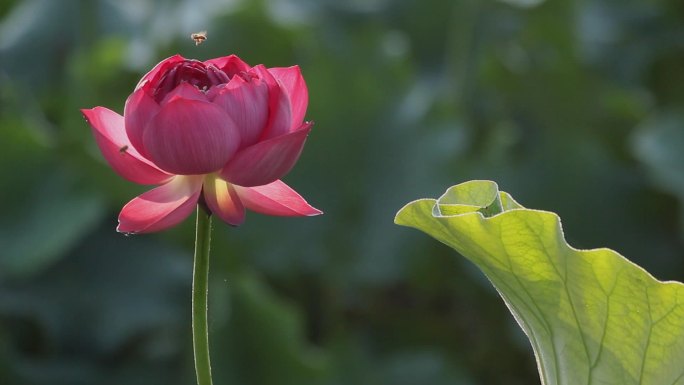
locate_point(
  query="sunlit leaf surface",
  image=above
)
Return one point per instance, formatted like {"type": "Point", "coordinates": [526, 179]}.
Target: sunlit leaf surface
{"type": "Point", "coordinates": [592, 316]}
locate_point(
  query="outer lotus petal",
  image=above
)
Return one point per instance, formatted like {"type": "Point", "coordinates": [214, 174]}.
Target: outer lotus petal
{"type": "Point", "coordinates": [231, 64]}
{"type": "Point", "coordinates": [159, 69]}
{"type": "Point", "coordinates": [108, 129]}
{"type": "Point", "coordinates": [184, 90]}
{"type": "Point", "coordinates": [140, 108]}
{"type": "Point", "coordinates": [162, 207]}
{"type": "Point", "coordinates": [247, 103]}
{"type": "Point", "coordinates": [279, 111]}
{"type": "Point", "coordinates": [266, 161]}
{"type": "Point", "coordinates": [275, 198]}
{"type": "Point", "coordinates": [223, 200]}
{"type": "Point", "coordinates": [292, 81]}
{"type": "Point", "coordinates": [191, 137]}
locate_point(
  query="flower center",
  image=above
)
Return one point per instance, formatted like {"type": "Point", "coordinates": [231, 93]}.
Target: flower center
{"type": "Point", "coordinates": [193, 72]}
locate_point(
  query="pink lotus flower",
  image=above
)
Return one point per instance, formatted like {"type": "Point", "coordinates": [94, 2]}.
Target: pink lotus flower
{"type": "Point", "coordinates": [217, 132]}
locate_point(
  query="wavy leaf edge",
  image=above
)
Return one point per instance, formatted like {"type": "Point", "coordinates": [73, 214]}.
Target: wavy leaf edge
{"type": "Point", "coordinates": [601, 359]}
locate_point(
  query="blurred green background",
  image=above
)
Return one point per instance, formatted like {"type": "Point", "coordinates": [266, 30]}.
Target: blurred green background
{"type": "Point", "coordinates": [576, 107]}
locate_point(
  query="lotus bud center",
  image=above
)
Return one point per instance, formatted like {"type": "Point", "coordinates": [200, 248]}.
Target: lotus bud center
{"type": "Point", "coordinates": [200, 75]}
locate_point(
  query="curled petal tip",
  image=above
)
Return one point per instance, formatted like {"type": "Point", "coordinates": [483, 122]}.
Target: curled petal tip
{"type": "Point", "coordinates": [315, 212]}
{"type": "Point", "coordinates": [110, 136]}
{"type": "Point", "coordinates": [276, 198]}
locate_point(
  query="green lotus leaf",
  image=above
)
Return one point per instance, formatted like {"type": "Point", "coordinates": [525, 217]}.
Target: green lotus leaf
{"type": "Point", "coordinates": [592, 316]}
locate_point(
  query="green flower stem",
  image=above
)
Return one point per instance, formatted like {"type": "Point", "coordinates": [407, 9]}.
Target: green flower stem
{"type": "Point", "coordinates": [200, 288]}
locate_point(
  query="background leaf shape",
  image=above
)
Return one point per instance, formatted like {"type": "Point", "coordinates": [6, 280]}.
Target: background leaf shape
{"type": "Point", "coordinates": [259, 319]}
{"type": "Point", "coordinates": [592, 316]}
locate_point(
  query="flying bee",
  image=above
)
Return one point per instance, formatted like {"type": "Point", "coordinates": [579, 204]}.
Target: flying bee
{"type": "Point", "coordinates": [123, 149]}
{"type": "Point", "coordinates": [199, 37]}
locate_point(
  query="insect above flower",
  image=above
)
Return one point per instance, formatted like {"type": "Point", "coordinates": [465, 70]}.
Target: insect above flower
{"type": "Point", "coordinates": [218, 132]}
{"type": "Point", "coordinates": [199, 37]}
